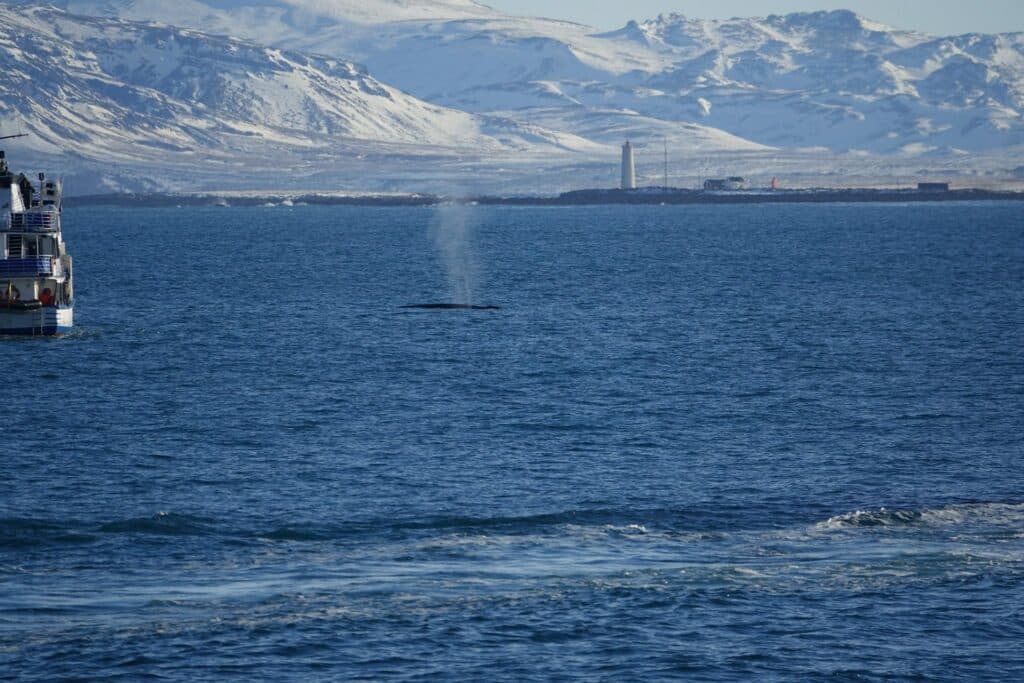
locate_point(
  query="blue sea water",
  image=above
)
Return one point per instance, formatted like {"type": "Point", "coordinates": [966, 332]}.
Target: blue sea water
{"type": "Point", "coordinates": [696, 443]}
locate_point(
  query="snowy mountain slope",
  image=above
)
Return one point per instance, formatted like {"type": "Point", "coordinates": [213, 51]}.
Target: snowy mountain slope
{"type": "Point", "coordinates": [133, 78]}
{"type": "Point", "coordinates": [105, 90]}
{"type": "Point", "coordinates": [444, 45]}
{"type": "Point", "coordinates": [278, 17]}
{"type": "Point", "coordinates": [829, 79]}
{"type": "Point", "coordinates": [838, 80]}
{"type": "Point", "coordinates": [367, 27]}
{"type": "Point", "coordinates": [821, 79]}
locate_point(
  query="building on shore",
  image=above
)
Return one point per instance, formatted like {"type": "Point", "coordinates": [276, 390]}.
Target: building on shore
{"type": "Point", "coordinates": [628, 167]}
{"type": "Point", "coordinates": [730, 184]}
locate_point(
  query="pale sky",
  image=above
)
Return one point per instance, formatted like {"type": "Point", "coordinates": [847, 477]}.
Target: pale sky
{"type": "Point", "coordinates": [942, 17]}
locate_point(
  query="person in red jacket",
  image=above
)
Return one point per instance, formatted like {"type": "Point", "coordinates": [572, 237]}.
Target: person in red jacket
{"type": "Point", "coordinates": [46, 297]}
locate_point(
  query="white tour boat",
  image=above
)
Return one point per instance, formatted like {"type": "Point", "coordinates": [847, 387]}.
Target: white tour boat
{"type": "Point", "coordinates": [36, 292]}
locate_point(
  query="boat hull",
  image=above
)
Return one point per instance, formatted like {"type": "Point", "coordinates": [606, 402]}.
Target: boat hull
{"type": "Point", "coordinates": [43, 322]}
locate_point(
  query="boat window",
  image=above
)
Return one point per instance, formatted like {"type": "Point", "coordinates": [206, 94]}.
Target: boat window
{"type": "Point", "coordinates": [46, 246]}
{"type": "Point", "coordinates": [13, 246]}
{"type": "Point", "coordinates": [31, 246]}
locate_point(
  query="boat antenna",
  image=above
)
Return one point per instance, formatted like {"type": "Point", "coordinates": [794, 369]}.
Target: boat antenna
{"type": "Point", "coordinates": [11, 137]}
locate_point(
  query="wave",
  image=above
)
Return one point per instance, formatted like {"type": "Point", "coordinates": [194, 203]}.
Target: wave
{"type": "Point", "coordinates": [21, 533]}
{"type": "Point", "coordinates": [25, 533]}
{"type": "Point", "coordinates": [699, 517]}
{"type": "Point", "coordinates": [617, 522]}
{"type": "Point", "coordinates": [162, 523]}
{"type": "Point", "coordinates": [28, 532]}
{"type": "Point", "coordinates": [18, 533]}
{"type": "Point", "coordinates": [997, 514]}
{"type": "Point", "coordinates": [291, 533]}
{"type": "Point", "coordinates": [706, 522]}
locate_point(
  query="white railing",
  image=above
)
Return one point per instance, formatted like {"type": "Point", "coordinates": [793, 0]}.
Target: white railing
{"type": "Point", "coordinates": [37, 221]}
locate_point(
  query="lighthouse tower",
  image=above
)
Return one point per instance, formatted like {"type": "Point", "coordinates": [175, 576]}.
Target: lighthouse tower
{"type": "Point", "coordinates": [628, 167]}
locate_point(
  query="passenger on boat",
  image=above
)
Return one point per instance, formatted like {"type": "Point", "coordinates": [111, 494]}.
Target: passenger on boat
{"type": "Point", "coordinates": [46, 297]}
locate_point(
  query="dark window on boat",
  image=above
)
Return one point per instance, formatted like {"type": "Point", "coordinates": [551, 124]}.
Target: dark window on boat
{"type": "Point", "coordinates": [13, 246]}
{"type": "Point", "coordinates": [31, 246]}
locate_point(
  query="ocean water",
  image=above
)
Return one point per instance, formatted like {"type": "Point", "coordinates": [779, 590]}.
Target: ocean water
{"type": "Point", "coordinates": [696, 443]}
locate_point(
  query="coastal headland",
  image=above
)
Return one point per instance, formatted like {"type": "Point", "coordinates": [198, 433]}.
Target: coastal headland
{"type": "Point", "coordinates": [650, 196]}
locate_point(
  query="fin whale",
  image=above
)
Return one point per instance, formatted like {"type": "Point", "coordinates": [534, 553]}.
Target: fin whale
{"type": "Point", "coordinates": [451, 307]}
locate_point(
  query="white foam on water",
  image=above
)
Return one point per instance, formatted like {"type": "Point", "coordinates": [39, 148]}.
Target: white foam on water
{"type": "Point", "coordinates": [996, 514]}
{"type": "Point", "coordinates": [629, 529]}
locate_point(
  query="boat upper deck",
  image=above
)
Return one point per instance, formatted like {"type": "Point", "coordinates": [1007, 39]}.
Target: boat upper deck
{"type": "Point", "coordinates": [32, 221]}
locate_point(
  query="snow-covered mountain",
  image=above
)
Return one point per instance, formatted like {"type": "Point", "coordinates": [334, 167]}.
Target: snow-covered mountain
{"type": "Point", "coordinates": [824, 79]}
{"type": "Point", "coordinates": [841, 81]}
{"type": "Point", "coordinates": [126, 93]}
{"type": "Point", "coordinates": [503, 90]}
{"type": "Point", "coordinates": [89, 79]}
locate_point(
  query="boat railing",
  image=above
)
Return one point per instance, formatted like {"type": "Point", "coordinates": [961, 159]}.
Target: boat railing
{"type": "Point", "coordinates": [33, 266]}
{"type": "Point", "coordinates": [38, 221]}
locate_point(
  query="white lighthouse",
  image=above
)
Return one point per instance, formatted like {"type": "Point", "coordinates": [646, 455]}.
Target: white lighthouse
{"type": "Point", "coordinates": [628, 167]}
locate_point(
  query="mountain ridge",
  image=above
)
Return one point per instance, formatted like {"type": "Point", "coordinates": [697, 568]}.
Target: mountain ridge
{"type": "Point", "coordinates": [515, 90]}
{"type": "Point", "coordinates": [671, 67]}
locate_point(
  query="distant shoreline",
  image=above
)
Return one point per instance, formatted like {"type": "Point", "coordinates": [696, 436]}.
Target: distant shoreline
{"type": "Point", "coordinates": [647, 196]}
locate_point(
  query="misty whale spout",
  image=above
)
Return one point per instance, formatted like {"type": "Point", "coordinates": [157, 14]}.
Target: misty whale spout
{"type": "Point", "coordinates": [452, 307]}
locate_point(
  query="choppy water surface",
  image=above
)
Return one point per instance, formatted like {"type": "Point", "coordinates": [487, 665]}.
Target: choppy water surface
{"type": "Point", "coordinates": [702, 443]}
